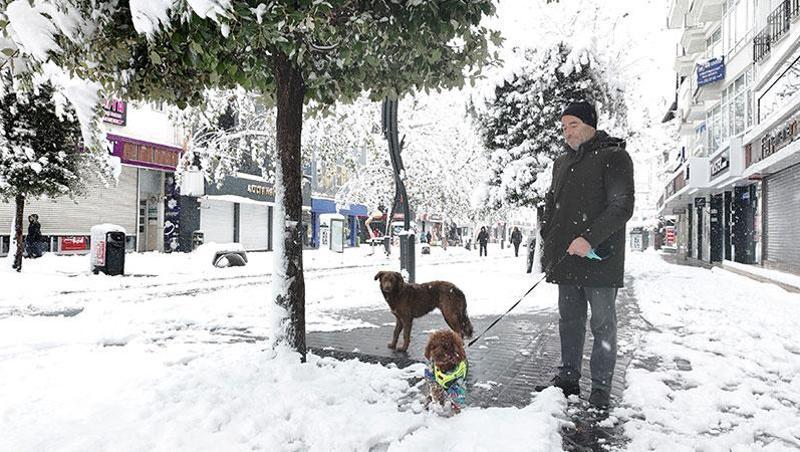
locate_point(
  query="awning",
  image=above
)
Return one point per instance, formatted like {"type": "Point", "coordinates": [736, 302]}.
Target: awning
{"type": "Point", "coordinates": [322, 205]}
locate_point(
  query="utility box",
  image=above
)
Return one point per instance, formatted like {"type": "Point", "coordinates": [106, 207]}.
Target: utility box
{"type": "Point", "coordinates": [108, 249]}
{"type": "Point", "coordinates": [197, 239]}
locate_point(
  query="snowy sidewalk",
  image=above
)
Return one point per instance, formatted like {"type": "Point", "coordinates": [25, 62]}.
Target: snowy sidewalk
{"type": "Point", "coordinates": [719, 368]}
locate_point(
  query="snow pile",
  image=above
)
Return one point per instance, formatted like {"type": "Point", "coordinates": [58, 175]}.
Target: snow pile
{"type": "Point", "coordinates": [727, 372]}
{"type": "Point", "coordinates": [535, 427]}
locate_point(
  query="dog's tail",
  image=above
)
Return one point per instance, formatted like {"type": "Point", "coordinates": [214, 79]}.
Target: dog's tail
{"type": "Point", "coordinates": [463, 318]}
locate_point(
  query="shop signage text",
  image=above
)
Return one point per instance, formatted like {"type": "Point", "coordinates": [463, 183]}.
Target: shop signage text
{"type": "Point", "coordinates": [261, 190]}
{"type": "Point", "coordinates": [115, 112]}
{"type": "Point", "coordinates": [73, 243]}
{"type": "Point", "coordinates": [779, 137]}
{"type": "Point", "coordinates": [699, 202]}
{"type": "Point", "coordinates": [720, 164]}
{"type": "Point", "coordinates": [711, 71]}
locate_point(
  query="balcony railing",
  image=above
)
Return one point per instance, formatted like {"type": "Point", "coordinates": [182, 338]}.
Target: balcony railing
{"type": "Point", "coordinates": [778, 23]}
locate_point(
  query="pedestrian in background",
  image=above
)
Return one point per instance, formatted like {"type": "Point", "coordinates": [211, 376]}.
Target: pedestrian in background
{"type": "Point", "coordinates": [34, 238]}
{"type": "Point", "coordinates": [483, 239]}
{"type": "Point", "coordinates": [516, 239]}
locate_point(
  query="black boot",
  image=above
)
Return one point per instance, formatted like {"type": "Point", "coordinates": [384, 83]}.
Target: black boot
{"type": "Point", "coordinates": [600, 399]}
{"type": "Point", "coordinates": [567, 387]}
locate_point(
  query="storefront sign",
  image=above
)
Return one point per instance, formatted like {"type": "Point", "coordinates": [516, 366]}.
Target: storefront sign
{"type": "Point", "coordinates": [115, 112]}
{"type": "Point", "coordinates": [711, 71]}
{"type": "Point", "coordinates": [699, 202]}
{"type": "Point", "coordinates": [73, 243]}
{"type": "Point", "coordinates": [144, 154]}
{"type": "Point", "coordinates": [263, 190]}
{"type": "Point", "coordinates": [772, 141]}
{"type": "Point", "coordinates": [720, 163]}
{"type": "Point", "coordinates": [172, 214]}
{"type": "Point", "coordinates": [779, 137]}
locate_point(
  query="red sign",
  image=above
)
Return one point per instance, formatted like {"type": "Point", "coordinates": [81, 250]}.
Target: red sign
{"type": "Point", "coordinates": [115, 112]}
{"type": "Point", "coordinates": [73, 243]}
{"type": "Point", "coordinates": [670, 236]}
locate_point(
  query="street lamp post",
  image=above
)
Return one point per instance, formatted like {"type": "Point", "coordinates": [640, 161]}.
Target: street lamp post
{"type": "Point", "coordinates": [407, 239]}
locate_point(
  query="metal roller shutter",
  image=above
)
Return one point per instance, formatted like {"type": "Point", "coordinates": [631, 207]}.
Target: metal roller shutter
{"type": "Point", "coordinates": [216, 221]}
{"type": "Point", "coordinates": [63, 216]}
{"type": "Point", "coordinates": [254, 226]}
{"type": "Point", "coordinates": [781, 223]}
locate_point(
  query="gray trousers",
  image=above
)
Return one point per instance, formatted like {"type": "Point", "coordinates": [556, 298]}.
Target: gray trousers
{"type": "Point", "coordinates": [572, 304]}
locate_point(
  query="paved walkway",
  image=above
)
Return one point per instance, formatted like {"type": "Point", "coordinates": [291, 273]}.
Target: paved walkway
{"type": "Point", "coordinates": [520, 352]}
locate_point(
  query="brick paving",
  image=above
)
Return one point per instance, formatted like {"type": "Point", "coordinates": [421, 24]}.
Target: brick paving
{"type": "Point", "coordinates": [519, 353]}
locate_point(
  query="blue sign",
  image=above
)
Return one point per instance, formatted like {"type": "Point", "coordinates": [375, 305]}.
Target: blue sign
{"type": "Point", "coordinates": [711, 71]}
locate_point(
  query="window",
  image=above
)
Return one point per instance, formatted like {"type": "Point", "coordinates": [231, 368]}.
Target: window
{"type": "Point", "coordinates": [783, 90]}
{"type": "Point", "coordinates": [733, 115]}
{"type": "Point", "coordinates": [737, 22]}
{"type": "Point", "coordinates": [714, 43]}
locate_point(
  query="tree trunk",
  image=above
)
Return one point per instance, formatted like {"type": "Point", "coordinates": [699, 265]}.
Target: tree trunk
{"type": "Point", "coordinates": [19, 200]}
{"type": "Point", "coordinates": [289, 285]}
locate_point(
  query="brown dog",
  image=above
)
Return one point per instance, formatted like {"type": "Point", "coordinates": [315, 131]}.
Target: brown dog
{"type": "Point", "coordinates": [410, 301]}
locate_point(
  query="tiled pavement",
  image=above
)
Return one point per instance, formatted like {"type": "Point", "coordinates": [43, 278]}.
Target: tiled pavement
{"type": "Point", "coordinates": [520, 352]}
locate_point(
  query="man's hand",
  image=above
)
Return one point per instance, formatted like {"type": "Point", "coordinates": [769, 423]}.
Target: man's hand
{"type": "Point", "coordinates": [580, 247]}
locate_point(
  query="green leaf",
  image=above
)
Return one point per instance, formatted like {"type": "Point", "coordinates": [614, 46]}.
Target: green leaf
{"type": "Point", "coordinates": [155, 58]}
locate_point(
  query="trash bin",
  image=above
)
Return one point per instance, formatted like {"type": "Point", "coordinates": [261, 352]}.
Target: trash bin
{"type": "Point", "coordinates": [197, 239]}
{"type": "Point", "coordinates": [108, 249]}
{"type": "Point", "coordinates": [637, 240]}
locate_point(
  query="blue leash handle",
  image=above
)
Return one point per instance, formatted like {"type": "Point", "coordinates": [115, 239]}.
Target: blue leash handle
{"type": "Point", "coordinates": [592, 255]}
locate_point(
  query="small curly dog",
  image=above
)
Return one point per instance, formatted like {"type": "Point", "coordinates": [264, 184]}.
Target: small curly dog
{"type": "Point", "coordinates": [446, 374]}
{"type": "Point", "coordinates": [411, 301]}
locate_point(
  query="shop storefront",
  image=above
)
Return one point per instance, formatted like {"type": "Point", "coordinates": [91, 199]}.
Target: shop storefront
{"type": "Point", "coordinates": [240, 210]}
{"type": "Point", "coordinates": [142, 201]}
{"type": "Point", "coordinates": [354, 216]}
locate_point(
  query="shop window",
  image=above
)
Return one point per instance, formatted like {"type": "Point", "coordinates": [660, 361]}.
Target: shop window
{"type": "Point", "coordinates": [781, 92]}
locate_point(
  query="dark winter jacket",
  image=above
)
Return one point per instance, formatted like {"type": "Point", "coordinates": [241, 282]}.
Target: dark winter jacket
{"type": "Point", "coordinates": [516, 237]}
{"type": "Point", "coordinates": [591, 196]}
{"type": "Point", "coordinates": [483, 237]}
{"type": "Point", "coordinates": [34, 232]}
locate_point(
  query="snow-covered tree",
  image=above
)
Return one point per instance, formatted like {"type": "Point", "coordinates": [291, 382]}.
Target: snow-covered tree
{"type": "Point", "coordinates": [521, 125]}
{"type": "Point", "coordinates": [443, 156]}
{"type": "Point", "coordinates": [41, 151]}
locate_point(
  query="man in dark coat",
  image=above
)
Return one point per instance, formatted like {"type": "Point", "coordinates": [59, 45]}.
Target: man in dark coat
{"type": "Point", "coordinates": [34, 236]}
{"type": "Point", "coordinates": [516, 239]}
{"type": "Point", "coordinates": [483, 239]}
{"type": "Point", "coordinates": [587, 206]}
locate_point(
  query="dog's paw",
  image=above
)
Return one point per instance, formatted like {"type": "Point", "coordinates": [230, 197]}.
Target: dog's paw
{"type": "Point", "coordinates": [392, 345]}
{"type": "Point", "coordinates": [402, 349]}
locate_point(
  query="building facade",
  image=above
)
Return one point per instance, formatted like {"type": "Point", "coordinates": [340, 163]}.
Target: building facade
{"type": "Point", "coordinates": [733, 183]}
{"type": "Point", "coordinates": [148, 148]}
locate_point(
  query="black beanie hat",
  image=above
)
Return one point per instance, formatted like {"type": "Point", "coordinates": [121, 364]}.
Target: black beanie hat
{"type": "Point", "coordinates": [583, 111]}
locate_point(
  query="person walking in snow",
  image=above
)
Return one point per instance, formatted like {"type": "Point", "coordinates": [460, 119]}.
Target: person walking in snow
{"type": "Point", "coordinates": [32, 241]}
{"type": "Point", "coordinates": [483, 239]}
{"type": "Point", "coordinates": [590, 200]}
{"type": "Point", "coordinates": [516, 239]}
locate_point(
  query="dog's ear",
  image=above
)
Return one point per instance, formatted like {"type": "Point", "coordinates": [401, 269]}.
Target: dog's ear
{"type": "Point", "coordinates": [429, 348]}
{"type": "Point", "coordinates": [379, 275]}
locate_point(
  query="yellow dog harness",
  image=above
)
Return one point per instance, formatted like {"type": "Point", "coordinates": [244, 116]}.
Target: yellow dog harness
{"type": "Point", "coordinates": [444, 379]}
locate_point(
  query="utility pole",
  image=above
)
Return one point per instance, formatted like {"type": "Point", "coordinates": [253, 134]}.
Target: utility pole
{"type": "Point", "coordinates": [407, 239]}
